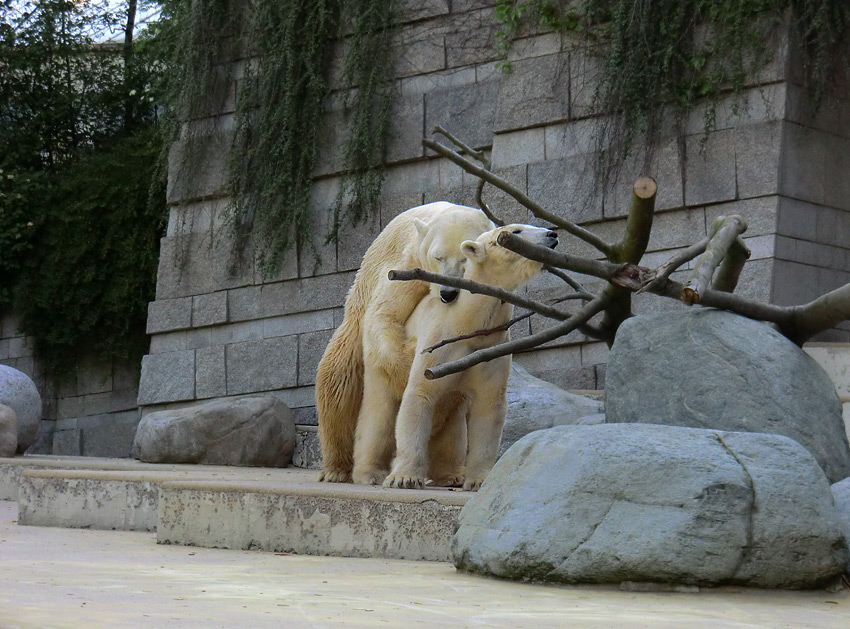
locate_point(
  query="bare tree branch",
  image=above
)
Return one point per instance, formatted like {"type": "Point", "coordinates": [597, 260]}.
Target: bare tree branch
{"type": "Point", "coordinates": [477, 333]}
{"type": "Point", "coordinates": [503, 349]}
{"type": "Point", "coordinates": [536, 209]}
{"type": "Point", "coordinates": [482, 289]}
{"type": "Point", "coordinates": [726, 278]}
{"type": "Point", "coordinates": [638, 224]}
{"type": "Point", "coordinates": [665, 270]}
{"type": "Point", "coordinates": [481, 157]}
{"type": "Point", "coordinates": [559, 259]}
{"type": "Point", "coordinates": [726, 229]}
{"type": "Point", "coordinates": [479, 198]}
{"type": "Point", "coordinates": [630, 249]}
{"type": "Point", "coordinates": [820, 315]}
{"type": "Point", "coordinates": [576, 286]}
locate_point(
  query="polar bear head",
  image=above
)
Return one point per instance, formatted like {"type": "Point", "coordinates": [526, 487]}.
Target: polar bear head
{"type": "Point", "coordinates": [490, 263]}
{"type": "Point", "coordinates": [440, 239]}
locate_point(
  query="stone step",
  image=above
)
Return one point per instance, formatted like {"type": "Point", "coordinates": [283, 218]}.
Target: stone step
{"type": "Point", "coordinates": [280, 510]}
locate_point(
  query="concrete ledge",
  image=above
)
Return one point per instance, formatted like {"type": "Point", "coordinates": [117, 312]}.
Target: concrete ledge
{"type": "Point", "coordinates": [313, 519]}
{"type": "Point", "coordinates": [272, 509]}
{"type": "Point", "coordinates": [124, 501]}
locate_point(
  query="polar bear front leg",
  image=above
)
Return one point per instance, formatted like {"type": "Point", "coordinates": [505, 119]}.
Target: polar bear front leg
{"type": "Point", "coordinates": [412, 433]}
{"type": "Point", "coordinates": [374, 437]}
{"type": "Point", "coordinates": [484, 433]}
{"type": "Point", "coordinates": [447, 449]}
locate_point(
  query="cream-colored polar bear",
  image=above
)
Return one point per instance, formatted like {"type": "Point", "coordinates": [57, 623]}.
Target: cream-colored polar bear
{"type": "Point", "coordinates": [449, 429]}
{"type": "Point", "coordinates": [367, 354]}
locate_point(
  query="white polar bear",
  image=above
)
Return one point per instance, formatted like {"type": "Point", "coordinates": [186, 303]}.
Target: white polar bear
{"type": "Point", "coordinates": [366, 363]}
{"type": "Point", "coordinates": [449, 429]}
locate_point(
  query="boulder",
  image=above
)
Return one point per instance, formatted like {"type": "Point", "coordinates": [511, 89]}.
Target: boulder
{"type": "Point", "coordinates": [8, 431]}
{"type": "Point", "coordinates": [841, 495]}
{"type": "Point", "coordinates": [251, 431]}
{"type": "Point", "coordinates": [612, 503]}
{"type": "Point", "coordinates": [534, 404]}
{"type": "Point", "coordinates": [708, 368]}
{"type": "Point", "coordinates": [19, 392]}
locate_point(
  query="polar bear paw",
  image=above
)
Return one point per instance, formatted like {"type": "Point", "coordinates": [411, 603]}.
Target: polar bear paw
{"type": "Point", "coordinates": [369, 476]}
{"type": "Point", "coordinates": [450, 480]}
{"type": "Point", "coordinates": [472, 484]}
{"type": "Point", "coordinates": [404, 481]}
{"type": "Point", "coordinates": [335, 476]}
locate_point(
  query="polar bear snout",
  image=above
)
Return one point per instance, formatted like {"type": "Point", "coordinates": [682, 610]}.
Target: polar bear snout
{"type": "Point", "coordinates": [551, 239]}
{"type": "Point", "coordinates": [448, 295]}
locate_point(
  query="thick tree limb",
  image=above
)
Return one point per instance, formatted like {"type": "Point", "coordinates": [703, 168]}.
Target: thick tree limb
{"type": "Point", "coordinates": [726, 278]}
{"type": "Point", "coordinates": [558, 259]}
{"type": "Point", "coordinates": [726, 230]}
{"type": "Point", "coordinates": [630, 250]}
{"type": "Point", "coordinates": [497, 351]}
{"type": "Point", "coordinates": [639, 223]}
{"type": "Point", "coordinates": [538, 210]}
{"type": "Point", "coordinates": [819, 315]}
{"type": "Point", "coordinates": [482, 289]}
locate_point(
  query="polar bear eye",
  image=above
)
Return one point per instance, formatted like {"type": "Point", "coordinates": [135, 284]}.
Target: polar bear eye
{"type": "Point", "coordinates": [517, 231]}
{"type": "Point", "coordinates": [439, 259]}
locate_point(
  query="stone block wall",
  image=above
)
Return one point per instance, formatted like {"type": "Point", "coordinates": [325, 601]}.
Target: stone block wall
{"type": "Point", "coordinates": [217, 333]}
{"type": "Point", "coordinates": [91, 411]}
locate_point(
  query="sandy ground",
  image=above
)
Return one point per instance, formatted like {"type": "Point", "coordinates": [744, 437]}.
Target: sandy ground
{"type": "Point", "coordinates": [52, 577]}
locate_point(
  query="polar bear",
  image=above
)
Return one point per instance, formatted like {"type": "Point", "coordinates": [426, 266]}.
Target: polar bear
{"type": "Point", "coordinates": [449, 429]}
{"type": "Point", "coordinates": [364, 352]}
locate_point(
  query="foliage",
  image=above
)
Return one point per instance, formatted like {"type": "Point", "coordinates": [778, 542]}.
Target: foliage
{"type": "Point", "coordinates": [280, 110]}
{"type": "Point", "coordinates": [282, 105]}
{"type": "Point", "coordinates": [663, 54]}
{"type": "Point", "coordinates": [75, 155]}
{"type": "Point", "coordinates": [90, 274]}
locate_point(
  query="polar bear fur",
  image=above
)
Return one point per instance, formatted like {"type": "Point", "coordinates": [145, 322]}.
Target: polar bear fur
{"type": "Point", "coordinates": [449, 429]}
{"type": "Point", "coordinates": [365, 351]}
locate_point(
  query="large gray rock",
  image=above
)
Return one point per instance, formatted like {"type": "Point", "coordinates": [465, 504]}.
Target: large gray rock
{"type": "Point", "coordinates": [612, 503]}
{"type": "Point", "coordinates": [251, 431]}
{"type": "Point", "coordinates": [8, 431]}
{"type": "Point", "coordinates": [707, 368]}
{"type": "Point", "coordinates": [19, 392]}
{"type": "Point", "coordinates": [841, 495]}
{"type": "Point", "coordinates": [534, 404]}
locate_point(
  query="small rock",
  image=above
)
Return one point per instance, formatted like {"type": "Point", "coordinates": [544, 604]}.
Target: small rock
{"type": "Point", "coordinates": [616, 503]}
{"type": "Point", "coordinates": [8, 431]}
{"type": "Point", "coordinates": [534, 404]}
{"type": "Point", "coordinates": [251, 431]}
{"type": "Point", "coordinates": [18, 391]}
{"type": "Point", "coordinates": [707, 368]}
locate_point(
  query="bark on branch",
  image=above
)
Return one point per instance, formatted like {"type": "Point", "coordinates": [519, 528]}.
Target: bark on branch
{"type": "Point", "coordinates": [481, 157]}
{"type": "Point", "coordinates": [407, 275]}
{"type": "Point", "coordinates": [725, 231]}
{"type": "Point", "coordinates": [538, 210]}
{"type": "Point", "coordinates": [497, 351]}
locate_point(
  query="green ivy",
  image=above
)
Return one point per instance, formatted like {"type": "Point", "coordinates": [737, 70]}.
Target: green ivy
{"type": "Point", "coordinates": [282, 106]}
{"type": "Point", "coordinates": [659, 56]}
{"type": "Point", "coordinates": [91, 270]}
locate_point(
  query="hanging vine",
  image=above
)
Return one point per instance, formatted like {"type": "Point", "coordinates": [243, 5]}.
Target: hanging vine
{"type": "Point", "coordinates": [281, 106]}
{"type": "Point", "coordinates": [663, 55]}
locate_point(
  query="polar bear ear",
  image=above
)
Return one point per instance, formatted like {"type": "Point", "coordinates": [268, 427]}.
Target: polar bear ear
{"type": "Point", "coordinates": [421, 228]}
{"type": "Point", "coordinates": [472, 250]}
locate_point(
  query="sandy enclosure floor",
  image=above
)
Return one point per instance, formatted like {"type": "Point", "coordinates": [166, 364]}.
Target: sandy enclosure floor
{"type": "Point", "coordinates": [52, 577]}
